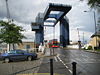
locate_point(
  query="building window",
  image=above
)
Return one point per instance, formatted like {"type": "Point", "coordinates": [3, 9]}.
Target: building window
{"type": "Point", "coordinates": [27, 46]}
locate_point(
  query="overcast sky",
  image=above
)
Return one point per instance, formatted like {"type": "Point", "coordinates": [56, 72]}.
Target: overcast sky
{"type": "Point", "coordinates": [25, 11]}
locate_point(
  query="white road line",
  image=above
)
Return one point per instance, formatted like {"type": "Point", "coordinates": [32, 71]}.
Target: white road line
{"type": "Point", "coordinates": [56, 59]}
{"type": "Point", "coordinates": [64, 64]}
{"type": "Point", "coordinates": [70, 71]}
{"type": "Point", "coordinates": [38, 67]}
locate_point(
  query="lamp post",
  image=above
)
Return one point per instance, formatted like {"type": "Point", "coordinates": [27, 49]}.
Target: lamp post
{"type": "Point", "coordinates": [83, 39]}
{"type": "Point", "coordinates": [94, 17]}
{"type": "Point", "coordinates": [79, 42]}
{"type": "Point", "coordinates": [78, 34]}
{"type": "Point", "coordinates": [8, 13]}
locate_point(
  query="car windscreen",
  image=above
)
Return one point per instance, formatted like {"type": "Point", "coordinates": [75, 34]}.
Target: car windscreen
{"type": "Point", "coordinates": [12, 52]}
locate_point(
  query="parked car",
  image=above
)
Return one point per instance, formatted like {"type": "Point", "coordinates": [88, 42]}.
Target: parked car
{"type": "Point", "coordinates": [13, 55]}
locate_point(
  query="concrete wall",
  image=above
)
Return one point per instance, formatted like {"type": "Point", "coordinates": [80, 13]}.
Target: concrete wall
{"type": "Point", "coordinates": [93, 41]}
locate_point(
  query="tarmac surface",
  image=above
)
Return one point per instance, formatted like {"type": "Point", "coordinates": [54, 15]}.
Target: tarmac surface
{"type": "Point", "coordinates": [88, 63]}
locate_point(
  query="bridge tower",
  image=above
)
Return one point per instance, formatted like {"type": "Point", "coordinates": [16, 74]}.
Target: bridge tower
{"type": "Point", "coordinates": [64, 31]}
{"type": "Point", "coordinates": [61, 10]}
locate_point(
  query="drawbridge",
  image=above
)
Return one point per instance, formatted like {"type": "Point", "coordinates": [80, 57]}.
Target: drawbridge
{"type": "Point", "coordinates": [53, 14]}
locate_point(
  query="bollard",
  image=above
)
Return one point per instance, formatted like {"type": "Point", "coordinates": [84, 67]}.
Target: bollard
{"type": "Point", "coordinates": [53, 51]}
{"type": "Point", "coordinates": [50, 52]}
{"type": "Point", "coordinates": [74, 67]}
{"type": "Point", "coordinates": [51, 66]}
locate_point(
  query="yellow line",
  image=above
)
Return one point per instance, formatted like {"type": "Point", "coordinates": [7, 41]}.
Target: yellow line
{"type": "Point", "coordinates": [40, 74]}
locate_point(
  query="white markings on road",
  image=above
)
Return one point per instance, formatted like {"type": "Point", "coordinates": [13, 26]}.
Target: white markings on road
{"type": "Point", "coordinates": [36, 72]}
{"type": "Point", "coordinates": [64, 64]}
{"type": "Point", "coordinates": [56, 59]}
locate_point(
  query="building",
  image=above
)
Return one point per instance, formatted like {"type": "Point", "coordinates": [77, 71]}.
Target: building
{"type": "Point", "coordinates": [98, 19]}
{"type": "Point", "coordinates": [27, 45]}
{"type": "Point", "coordinates": [95, 40]}
{"type": "Point", "coordinates": [3, 47]}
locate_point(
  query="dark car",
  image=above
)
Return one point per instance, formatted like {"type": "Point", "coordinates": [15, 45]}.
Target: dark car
{"type": "Point", "coordinates": [14, 55]}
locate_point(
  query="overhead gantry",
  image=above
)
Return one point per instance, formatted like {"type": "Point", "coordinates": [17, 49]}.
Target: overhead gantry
{"type": "Point", "coordinates": [53, 14]}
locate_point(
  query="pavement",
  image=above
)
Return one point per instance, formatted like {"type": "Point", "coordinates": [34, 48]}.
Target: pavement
{"type": "Point", "coordinates": [88, 63]}
{"type": "Point", "coordinates": [48, 53]}
{"type": "Point", "coordinates": [58, 67]}
{"type": "Point", "coordinates": [93, 51]}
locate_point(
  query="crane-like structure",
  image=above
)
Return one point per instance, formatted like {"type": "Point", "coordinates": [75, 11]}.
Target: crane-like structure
{"type": "Point", "coordinates": [53, 14]}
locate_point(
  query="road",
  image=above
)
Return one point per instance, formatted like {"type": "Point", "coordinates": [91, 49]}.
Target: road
{"type": "Point", "coordinates": [20, 67]}
{"type": "Point", "coordinates": [87, 64]}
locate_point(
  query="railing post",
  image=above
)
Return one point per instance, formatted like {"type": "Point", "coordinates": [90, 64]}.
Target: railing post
{"type": "Point", "coordinates": [74, 67]}
{"type": "Point", "coordinates": [51, 66]}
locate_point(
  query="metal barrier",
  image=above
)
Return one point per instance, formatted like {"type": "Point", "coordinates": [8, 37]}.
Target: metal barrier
{"type": "Point", "coordinates": [74, 67]}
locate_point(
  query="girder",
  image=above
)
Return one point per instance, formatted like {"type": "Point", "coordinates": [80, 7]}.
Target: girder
{"type": "Point", "coordinates": [63, 10]}
{"type": "Point", "coordinates": [53, 21]}
{"type": "Point", "coordinates": [56, 7]}
{"type": "Point", "coordinates": [53, 14]}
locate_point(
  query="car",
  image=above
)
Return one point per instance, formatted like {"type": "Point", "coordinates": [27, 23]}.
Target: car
{"type": "Point", "coordinates": [54, 46]}
{"type": "Point", "coordinates": [14, 55]}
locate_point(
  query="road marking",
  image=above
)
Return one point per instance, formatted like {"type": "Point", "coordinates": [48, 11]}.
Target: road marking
{"type": "Point", "coordinates": [38, 67]}
{"type": "Point", "coordinates": [56, 59]}
{"type": "Point", "coordinates": [64, 64]}
{"type": "Point", "coordinates": [40, 74]}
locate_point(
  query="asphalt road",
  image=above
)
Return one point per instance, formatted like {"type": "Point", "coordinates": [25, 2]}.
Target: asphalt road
{"type": "Point", "coordinates": [20, 67]}
{"type": "Point", "coordinates": [87, 64]}
{"type": "Point", "coordinates": [58, 67]}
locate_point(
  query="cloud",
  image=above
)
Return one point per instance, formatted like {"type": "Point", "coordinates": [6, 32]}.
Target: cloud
{"type": "Point", "coordinates": [27, 29]}
{"type": "Point", "coordinates": [29, 34]}
{"type": "Point", "coordinates": [74, 35]}
{"type": "Point", "coordinates": [25, 11]}
{"type": "Point", "coordinates": [78, 17]}
{"type": "Point", "coordinates": [21, 10]}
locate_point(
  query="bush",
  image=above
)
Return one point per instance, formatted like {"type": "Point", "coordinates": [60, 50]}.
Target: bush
{"type": "Point", "coordinates": [89, 47]}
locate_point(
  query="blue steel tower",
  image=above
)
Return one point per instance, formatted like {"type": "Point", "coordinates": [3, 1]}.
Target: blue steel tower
{"type": "Point", "coordinates": [39, 29]}
{"type": "Point", "coordinates": [64, 32]}
{"type": "Point", "coordinates": [38, 26]}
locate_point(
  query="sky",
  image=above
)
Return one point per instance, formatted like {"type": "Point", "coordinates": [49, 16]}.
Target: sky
{"type": "Point", "coordinates": [23, 12]}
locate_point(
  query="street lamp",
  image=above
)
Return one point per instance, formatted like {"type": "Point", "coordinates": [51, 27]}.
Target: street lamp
{"type": "Point", "coordinates": [79, 42]}
{"type": "Point", "coordinates": [94, 24]}
{"type": "Point", "coordinates": [83, 39]}
{"type": "Point", "coordinates": [8, 13]}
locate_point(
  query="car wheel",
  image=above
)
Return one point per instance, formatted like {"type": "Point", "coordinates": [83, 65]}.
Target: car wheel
{"type": "Point", "coordinates": [29, 58]}
{"type": "Point", "coordinates": [6, 60]}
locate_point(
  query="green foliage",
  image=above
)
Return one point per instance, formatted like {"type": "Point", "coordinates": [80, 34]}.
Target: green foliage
{"type": "Point", "coordinates": [94, 3]}
{"type": "Point", "coordinates": [10, 33]}
{"type": "Point", "coordinates": [98, 50]}
{"type": "Point", "coordinates": [89, 47]}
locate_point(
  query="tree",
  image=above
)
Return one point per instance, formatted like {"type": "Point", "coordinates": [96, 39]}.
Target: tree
{"type": "Point", "coordinates": [10, 33]}
{"type": "Point", "coordinates": [93, 3]}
